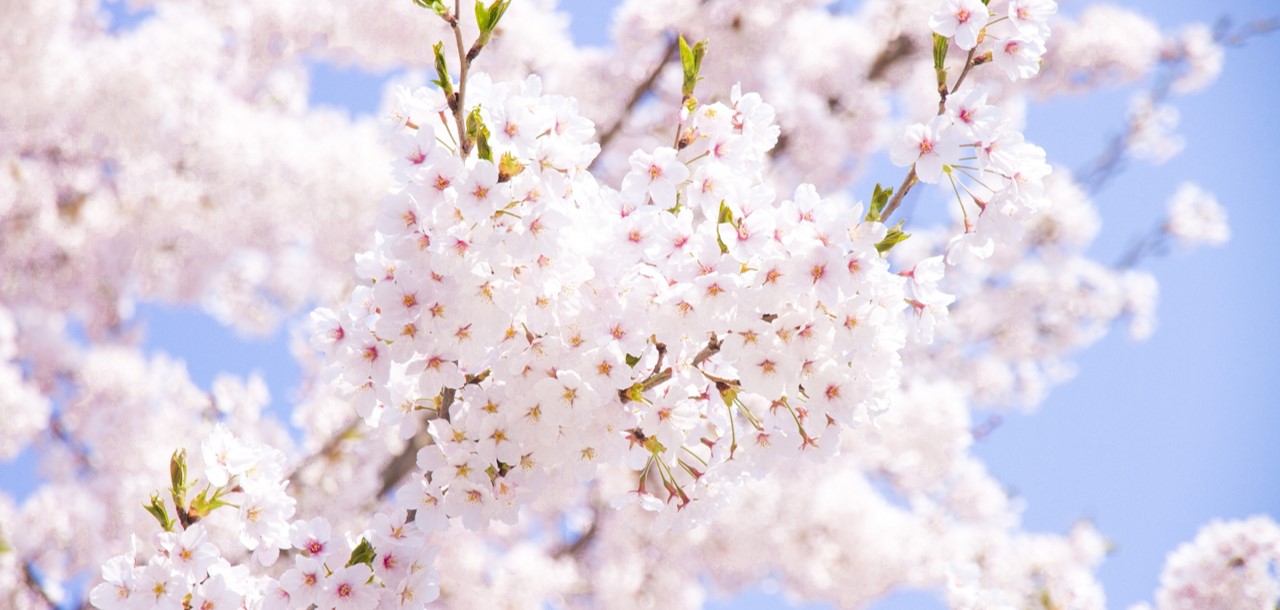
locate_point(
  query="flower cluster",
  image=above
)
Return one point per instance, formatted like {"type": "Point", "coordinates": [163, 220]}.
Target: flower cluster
{"type": "Point", "coordinates": [1228, 565]}
{"type": "Point", "coordinates": [1196, 218]}
{"type": "Point", "coordinates": [29, 408]}
{"type": "Point", "coordinates": [970, 143]}
{"type": "Point", "coordinates": [551, 325]}
{"type": "Point", "coordinates": [197, 563]}
{"type": "Point", "coordinates": [1015, 41]}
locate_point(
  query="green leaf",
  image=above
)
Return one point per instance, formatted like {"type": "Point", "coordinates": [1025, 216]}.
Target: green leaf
{"type": "Point", "coordinates": [157, 510]}
{"type": "Point", "coordinates": [178, 474]}
{"type": "Point", "coordinates": [691, 63]}
{"type": "Point", "coordinates": [487, 20]}
{"type": "Point", "coordinates": [686, 54]}
{"type": "Point", "coordinates": [495, 12]}
{"type": "Point", "coordinates": [363, 553]}
{"type": "Point", "coordinates": [442, 72]}
{"type": "Point", "coordinates": [654, 447]}
{"type": "Point", "coordinates": [436, 5]}
{"type": "Point", "coordinates": [203, 504]}
{"type": "Point", "coordinates": [894, 237]}
{"type": "Point", "coordinates": [879, 199]}
{"type": "Point", "coordinates": [508, 167]}
{"type": "Point", "coordinates": [635, 393]}
{"type": "Point", "coordinates": [632, 361]}
{"type": "Point", "coordinates": [478, 133]}
{"type": "Point", "coordinates": [726, 214]}
{"type": "Point", "coordinates": [940, 44]}
{"type": "Point", "coordinates": [1046, 600]}
{"type": "Point", "coordinates": [728, 395]}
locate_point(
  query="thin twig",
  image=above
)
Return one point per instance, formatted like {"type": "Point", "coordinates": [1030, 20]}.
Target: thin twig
{"type": "Point", "coordinates": [968, 65]}
{"type": "Point", "coordinates": [910, 179]}
{"type": "Point", "coordinates": [985, 428]}
{"type": "Point", "coordinates": [1109, 164]}
{"type": "Point", "coordinates": [712, 348]}
{"type": "Point", "coordinates": [459, 102]}
{"type": "Point", "coordinates": [894, 51]}
{"type": "Point", "coordinates": [77, 448]}
{"type": "Point", "coordinates": [636, 95]}
{"type": "Point", "coordinates": [656, 380]}
{"type": "Point", "coordinates": [29, 577]}
{"type": "Point", "coordinates": [1153, 242]}
{"type": "Point", "coordinates": [1257, 27]}
{"type": "Point", "coordinates": [576, 548]}
{"type": "Point", "coordinates": [896, 200]}
{"type": "Point", "coordinates": [404, 462]}
{"type": "Point", "coordinates": [330, 446]}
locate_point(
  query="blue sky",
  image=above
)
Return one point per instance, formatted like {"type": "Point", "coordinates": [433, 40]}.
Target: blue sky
{"type": "Point", "coordinates": [1151, 440]}
{"type": "Point", "coordinates": [1154, 439]}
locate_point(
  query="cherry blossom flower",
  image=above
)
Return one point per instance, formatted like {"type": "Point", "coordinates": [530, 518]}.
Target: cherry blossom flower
{"type": "Point", "coordinates": [1018, 58]}
{"type": "Point", "coordinates": [159, 587]}
{"type": "Point", "coordinates": [963, 19]}
{"type": "Point", "coordinates": [1031, 17]}
{"type": "Point", "coordinates": [302, 583]}
{"type": "Point", "coordinates": [1196, 218]}
{"type": "Point", "coordinates": [1228, 565]}
{"type": "Point", "coordinates": [655, 175]}
{"type": "Point", "coordinates": [190, 553]}
{"type": "Point", "coordinates": [929, 146]}
{"type": "Point", "coordinates": [225, 457]}
{"type": "Point", "coordinates": [118, 586]}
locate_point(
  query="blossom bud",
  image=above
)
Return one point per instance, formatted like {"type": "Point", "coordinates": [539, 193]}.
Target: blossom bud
{"type": "Point", "coordinates": [508, 167]}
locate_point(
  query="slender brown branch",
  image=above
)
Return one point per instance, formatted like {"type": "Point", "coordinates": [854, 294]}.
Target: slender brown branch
{"type": "Point", "coordinates": [968, 65]}
{"type": "Point", "coordinates": [403, 463]}
{"type": "Point", "coordinates": [722, 381]}
{"type": "Point", "coordinates": [662, 352]}
{"type": "Point", "coordinates": [1110, 163]}
{"type": "Point", "coordinates": [646, 85]}
{"type": "Point", "coordinates": [712, 348]}
{"type": "Point", "coordinates": [893, 52]}
{"type": "Point", "coordinates": [29, 577]}
{"type": "Point", "coordinates": [459, 101]}
{"type": "Point", "coordinates": [986, 427]}
{"type": "Point", "coordinates": [660, 375]}
{"type": "Point", "coordinates": [910, 179]}
{"type": "Point", "coordinates": [77, 449]}
{"type": "Point", "coordinates": [578, 546]}
{"type": "Point", "coordinates": [1257, 27]}
{"type": "Point", "coordinates": [329, 448]}
{"type": "Point", "coordinates": [476, 47]}
{"type": "Point", "coordinates": [656, 380]}
{"type": "Point", "coordinates": [896, 200]}
{"type": "Point", "coordinates": [1154, 242]}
